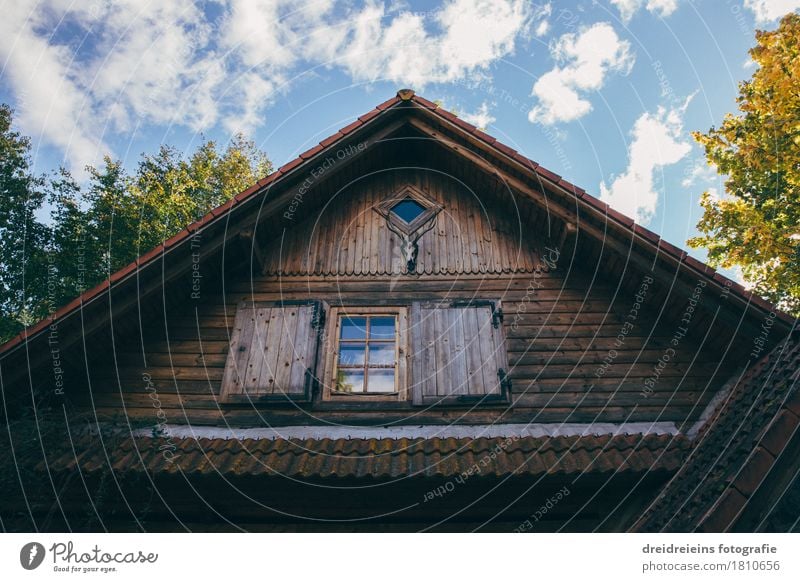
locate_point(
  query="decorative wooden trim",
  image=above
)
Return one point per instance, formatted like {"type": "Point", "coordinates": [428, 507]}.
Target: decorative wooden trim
{"type": "Point", "coordinates": [432, 208]}
{"type": "Point", "coordinates": [409, 233]}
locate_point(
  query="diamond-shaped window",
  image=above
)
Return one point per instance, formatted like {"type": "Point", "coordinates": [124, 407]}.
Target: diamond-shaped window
{"type": "Point", "coordinates": [407, 210]}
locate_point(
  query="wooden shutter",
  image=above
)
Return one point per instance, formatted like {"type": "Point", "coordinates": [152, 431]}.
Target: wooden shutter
{"type": "Point", "coordinates": [458, 353]}
{"type": "Point", "coordinates": [273, 352]}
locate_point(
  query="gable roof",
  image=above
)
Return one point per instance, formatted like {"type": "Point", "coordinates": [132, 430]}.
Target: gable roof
{"type": "Point", "coordinates": [407, 99]}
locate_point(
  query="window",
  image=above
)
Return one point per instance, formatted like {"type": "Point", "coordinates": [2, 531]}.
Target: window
{"type": "Point", "coordinates": [367, 360]}
{"type": "Point", "coordinates": [408, 210]}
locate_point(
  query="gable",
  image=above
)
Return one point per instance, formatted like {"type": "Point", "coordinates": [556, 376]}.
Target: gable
{"type": "Point", "coordinates": [348, 235]}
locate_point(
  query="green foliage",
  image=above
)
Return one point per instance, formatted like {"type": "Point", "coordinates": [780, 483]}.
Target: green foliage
{"type": "Point", "coordinates": [100, 226]}
{"type": "Point", "coordinates": [756, 225]}
{"type": "Point", "coordinates": [22, 238]}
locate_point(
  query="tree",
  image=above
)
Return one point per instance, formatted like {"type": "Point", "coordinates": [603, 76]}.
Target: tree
{"type": "Point", "coordinates": [756, 224]}
{"type": "Point", "coordinates": [100, 226]}
{"type": "Point", "coordinates": [23, 268]}
{"type": "Point", "coordinates": [126, 215]}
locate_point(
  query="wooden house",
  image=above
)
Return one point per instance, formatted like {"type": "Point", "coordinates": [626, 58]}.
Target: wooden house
{"type": "Point", "coordinates": [411, 326]}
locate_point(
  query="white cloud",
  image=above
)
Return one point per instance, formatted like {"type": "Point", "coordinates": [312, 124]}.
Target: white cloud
{"type": "Point", "coordinates": [482, 118]}
{"type": "Point", "coordinates": [699, 172]}
{"type": "Point", "coordinates": [767, 11]}
{"type": "Point", "coordinates": [145, 62]}
{"type": "Point", "coordinates": [542, 28]}
{"type": "Point", "coordinates": [588, 57]}
{"type": "Point", "coordinates": [627, 8]}
{"type": "Point", "coordinates": [474, 34]}
{"type": "Point", "coordinates": [540, 16]}
{"type": "Point", "coordinates": [656, 142]}
{"type": "Point", "coordinates": [50, 102]}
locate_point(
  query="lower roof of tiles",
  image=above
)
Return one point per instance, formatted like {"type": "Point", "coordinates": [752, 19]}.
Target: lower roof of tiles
{"type": "Point", "coordinates": [379, 458]}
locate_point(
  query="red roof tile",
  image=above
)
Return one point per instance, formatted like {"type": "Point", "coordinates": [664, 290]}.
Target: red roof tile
{"type": "Point", "coordinates": [510, 152]}
{"type": "Point", "coordinates": [288, 167]}
{"type": "Point", "coordinates": [367, 116]}
{"type": "Point", "coordinates": [311, 152]}
{"type": "Point", "coordinates": [386, 458]}
{"type": "Point", "coordinates": [331, 139]}
{"type": "Point", "coordinates": [351, 127]}
{"type": "Point", "coordinates": [484, 136]}
{"type": "Point", "coordinates": [424, 102]}
{"type": "Point", "coordinates": [646, 233]}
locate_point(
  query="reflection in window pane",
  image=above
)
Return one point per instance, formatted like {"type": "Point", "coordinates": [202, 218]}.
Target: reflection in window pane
{"type": "Point", "coordinates": [381, 354]}
{"type": "Point", "coordinates": [354, 328]}
{"type": "Point", "coordinates": [381, 328]}
{"type": "Point", "coordinates": [408, 209]}
{"type": "Point", "coordinates": [381, 381]}
{"type": "Point", "coordinates": [350, 381]}
{"type": "Point", "coordinates": [351, 355]}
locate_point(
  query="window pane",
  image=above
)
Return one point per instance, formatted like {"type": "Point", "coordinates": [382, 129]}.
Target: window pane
{"type": "Point", "coordinates": [354, 328]}
{"type": "Point", "coordinates": [350, 381]}
{"type": "Point", "coordinates": [351, 354]}
{"type": "Point", "coordinates": [381, 381]}
{"type": "Point", "coordinates": [381, 328]}
{"type": "Point", "coordinates": [408, 209]}
{"type": "Point", "coordinates": [381, 354]}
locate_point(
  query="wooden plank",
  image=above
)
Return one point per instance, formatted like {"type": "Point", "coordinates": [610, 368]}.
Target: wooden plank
{"type": "Point", "coordinates": [270, 346]}
{"type": "Point", "coordinates": [305, 353]}
{"type": "Point", "coordinates": [417, 354]}
{"type": "Point", "coordinates": [440, 352]}
{"type": "Point", "coordinates": [459, 374]}
{"type": "Point", "coordinates": [485, 342]}
{"type": "Point", "coordinates": [239, 353]}
{"type": "Point", "coordinates": [477, 368]}
{"type": "Point", "coordinates": [203, 360]}
{"type": "Point", "coordinates": [255, 361]}
{"type": "Point", "coordinates": [286, 354]}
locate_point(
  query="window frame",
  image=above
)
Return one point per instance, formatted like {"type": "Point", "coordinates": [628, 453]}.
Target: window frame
{"type": "Point", "coordinates": [332, 348]}
{"type": "Point", "coordinates": [431, 209]}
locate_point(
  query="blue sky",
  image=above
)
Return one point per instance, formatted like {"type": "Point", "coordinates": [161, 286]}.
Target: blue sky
{"type": "Point", "coordinates": [605, 93]}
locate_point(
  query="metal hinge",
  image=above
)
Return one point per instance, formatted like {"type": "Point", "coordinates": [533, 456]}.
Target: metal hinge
{"type": "Point", "coordinates": [310, 385]}
{"type": "Point", "coordinates": [497, 312]}
{"type": "Point", "coordinates": [318, 318]}
{"type": "Point", "coordinates": [497, 317]}
{"type": "Point", "coordinates": [505, 383]}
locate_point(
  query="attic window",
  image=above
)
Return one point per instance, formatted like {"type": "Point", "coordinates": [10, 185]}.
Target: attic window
{"type": "Point", "coordinates": [408, 210]}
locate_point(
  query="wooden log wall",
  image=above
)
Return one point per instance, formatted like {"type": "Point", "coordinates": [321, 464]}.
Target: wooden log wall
{"type": "Point", "coordinates": [559, 338]}
{"type": "Point", "coordinates": [574, 354]}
